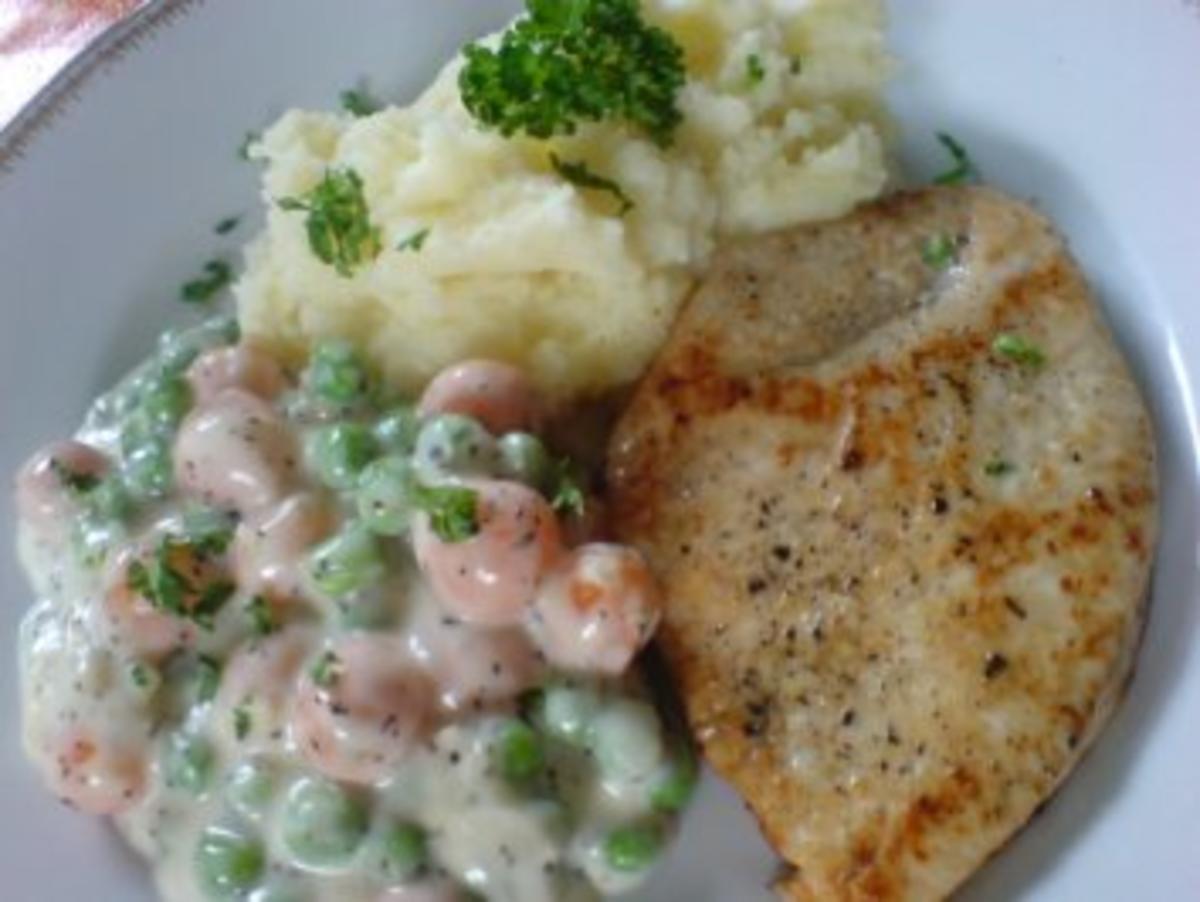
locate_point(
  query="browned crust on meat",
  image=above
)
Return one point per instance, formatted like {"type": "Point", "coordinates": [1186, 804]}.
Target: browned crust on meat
{"type": "Point", "coordinates": [893, 655]}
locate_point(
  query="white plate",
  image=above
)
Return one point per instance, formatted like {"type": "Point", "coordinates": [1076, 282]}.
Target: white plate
{"type": "Point", "coordinates": [111, 182]}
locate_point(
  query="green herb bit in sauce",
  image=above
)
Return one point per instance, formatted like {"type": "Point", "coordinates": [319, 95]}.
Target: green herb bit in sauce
{"type": "Point", "coordinates": [564, 64]}
{"type": "Point", "coordinates": [159, 582]}
{"type": "Point", "coordinates": [359, 102]}
{"type": "Point", "coordinates": [162, 582]}
{"type": "Point", "coordinates": [144, 677]}
{"type": "Point", "coordinates": [1019, 350]}
{"type": "Point", "coordinates": [414, 242]}
{"type": "Point", "coordinates": [998, 467]}
{"type": "Point", "coordinates": [262, 619]}
{"type": "Point", "coordinates": [242, 722]}
{"type": "Point", "coordinates": [939, 251]}
{"type": "Point", "coordinates": [452, 511]}
{"type": "Point", "coordinates": [963, 169]}
{"type": "Point", "coordinates": [227, 225]}
{"type": "Point", "coordinates": [581, 176]}
{"type": "Point", "coordinates": [74, 482]}
{"type": "Point", "coordinates": [327, 670]}
{"type": "Point", "coordinates": [339, 226]}
{"type": "Point", "coordinates": [217, 275]}
{"type": "Point", "coordinates": [756, 72]}
{"type": "Point", "coordinates": [212, 599]}
{"type": "Point", "coordinates": [567, 496]}
{"type": "Point", "coordinates": [797, 65]}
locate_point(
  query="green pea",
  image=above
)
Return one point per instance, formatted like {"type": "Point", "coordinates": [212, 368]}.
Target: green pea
{"type": "Point", "coordinates": [452, 444]}
{"type": "Point", "coordinates": [626, 738]}
{"type": "Point", "coordinates": [166, 401]}
{"type": "Point", "coordinates": [397, 430]}
{"type": "Point", "coordinates": [323, 824]}
{"type": "Point", "coordinates": [146, 471]}
{"type": "Point", "coordinates": [188, 762]}
{"type": "Point", "coordinates": [524, 458]}
{"type": "Point", "coordinates": [337, 374]}
{"type": "Point", "coordinates": [349, 562]}
{"type": "Point", "coordinates": [403, 851]}
{"type": "Point", "coordinates": [250, 787]}
{"type": "Point", "coordinates": [567, 713]}
{"type": "Point", "coordinates": [675, 783]}
{"type": "Point", "coordinates": [385, 495]}
{"type": "Point", "coordinates": [229, 862]}
{"type": "Point", "coordinates": [519, 753]}
{"type": "Point", "coordinates": [337, 454]}
{"type": "Point", "coordinates": [632, 848]}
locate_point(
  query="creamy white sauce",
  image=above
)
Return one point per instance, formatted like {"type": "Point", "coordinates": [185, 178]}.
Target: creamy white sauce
{"type": "Point", "coordinates": [104, 698]}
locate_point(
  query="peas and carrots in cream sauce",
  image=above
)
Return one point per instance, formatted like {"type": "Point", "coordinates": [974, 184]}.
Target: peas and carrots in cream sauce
{"type": "Point", "coordinates": [305, 641]}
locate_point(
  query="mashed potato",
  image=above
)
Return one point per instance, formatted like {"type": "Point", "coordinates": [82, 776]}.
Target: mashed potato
{"type": "Point", "coordinates": [782, 124]}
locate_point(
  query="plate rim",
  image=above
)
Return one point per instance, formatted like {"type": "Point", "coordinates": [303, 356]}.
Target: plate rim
{"type": "Point", "coordinates": [108, 48]}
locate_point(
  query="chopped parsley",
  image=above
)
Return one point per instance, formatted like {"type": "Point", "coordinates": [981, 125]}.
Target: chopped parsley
{"type": "Point", "coordinates": [212, 599]}
{"type": "Point", "coordinates": [339, 225]}
{"type": "Point", "coordinates": [250, 138]}
{"type": "Point", "coordinates": [567, 496]}
{"type": "Point", "coordinates": [206, 678]}
{"type": "Point", "coordinates": [797, 65]}
{"type": "Point", "coordinates": [452, 510]}
{"type": "Point", "coordinates": [1019, 350]}
{"type": "Point", "coordinates": [143, 676]}
{"type": "Point", "coordinates": [227, 225]}
{"type": "Point", "coordinates": [161, 583]}
{"type": "Point", "coordinates": [581, 176]}
{"type": "Point", "coordinates": [242, 722]}
{"type": "Point", "coordinates": [262, 619]}
{"type": "Point", "coordinates": [414, 242]}
{"type": "Point", "coordinates": [963, 169]}
{"type": "Point", "coordinates": [139, 676]}
{"type": "Point", "coordinates": [327, 670]}
{"type": "Point", "coordinates": [755, 70]}
{"type": "Point", "coordinates": [73, 481]}
{"type": "Point", "coordinates": [998, 467]}
{"type": "Point", "coordinates": [359, 102]}
{"type": "Point", "coordinates": [216, 276]}
{"type": "Point", "coordinates": [566, 63]}
{"type": "Point", "coordinates": [939, 251]}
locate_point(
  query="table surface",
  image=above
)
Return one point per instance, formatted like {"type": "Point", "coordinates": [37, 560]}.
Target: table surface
{"type": "Point", "coordinates": [39, 37]}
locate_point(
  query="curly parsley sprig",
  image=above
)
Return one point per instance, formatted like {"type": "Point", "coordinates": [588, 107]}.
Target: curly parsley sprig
{"type": "Point", "coordinates": [567, 62]}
